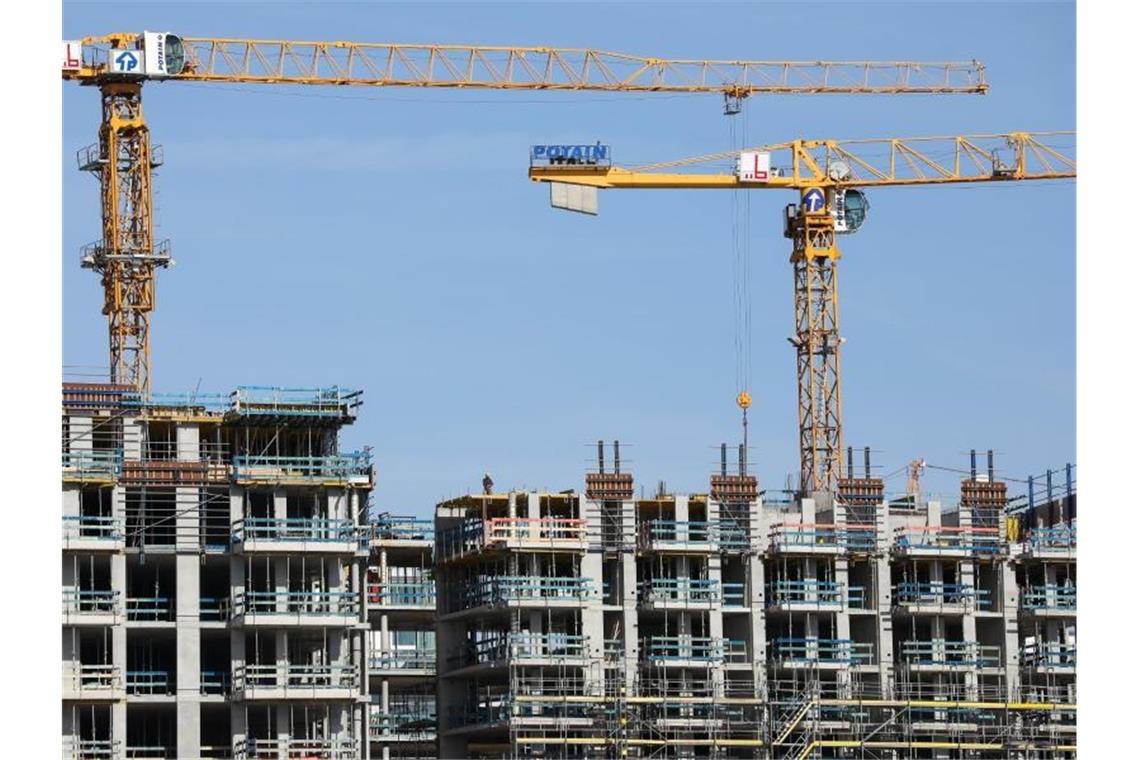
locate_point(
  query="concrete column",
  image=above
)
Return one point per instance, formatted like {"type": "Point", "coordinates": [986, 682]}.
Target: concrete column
{"type": "Point", "coordinates": [79, 433]}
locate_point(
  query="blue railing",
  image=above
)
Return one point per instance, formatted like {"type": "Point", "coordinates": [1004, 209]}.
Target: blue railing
{"type": "Point", "coordinates": [402, 594]}
{"type": "Point", "coordinates": [856, 598]}
{"type": "Point", "coordinates": [704, 648]}
{"type": "Point", "coordinates": [402, 529]}
{"type": "Point", "coordinates": [151, 608]}
{"type": "Point", "coordinates": [733, 594]}
{"type": "Point", "coordinates": [856, 538]}
{"type": "Point", "coordinates": [330, 603]}
{"type": "Point", "coordinates": [298, 676]}
{"type": "Point", "coordinates": [726, 534]}
{"type": "Point", "coordinates": [778, 497]}
{"type": "Point", "coordinates": [1062, 538]}
{"type": "Point", "coordinates": [1049, 597]}
{"type": "Point", "coordinates": [827, 651]}
{"type": "Point", "coordinates": [97, 528]}
{"type": "Point", "coordinates": [216, 682]}
{"type": "Point", "coordinates": [910, 592]}
{"type": "Point", "coordinates": [808, 592]}
{"type": "Point", "coordinates": [695, 590]}
{"type": "Point", "coordinates": [457, 540]}
{"type": "Point", "coordinates": [346, 466]}
{"type": "Point", "coordinates": [948, 540]}
{"type": "Point", "coordinates": [420, 723]}
{"type": "Point", "coordinates": [214, 608]}
{"type": "Point", "coordinates": [295, 529]}
{"type": "Point", "coordinates": [95, 463]}
{"type": "Point", "coordinates": [504, 589]}
{"type": "Point", "coordinates": [403, 659]}
{"type": "Point", "coordinates": [333, 401]}
{"type": "Point", "coordinates": [150, 682]}
{"type": "Point", "coordinates": [90, 602]}
{"type": "Point", "coordinates": [940, 652]}
{"type": "Point", "coordinates": [1050, 655]}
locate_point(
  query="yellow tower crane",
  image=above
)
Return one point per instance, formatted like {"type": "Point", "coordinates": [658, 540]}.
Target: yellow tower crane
{"type": "Point", "coordinates": [127, 255]}
{"type": "Point", "coordinates": [829, 176]}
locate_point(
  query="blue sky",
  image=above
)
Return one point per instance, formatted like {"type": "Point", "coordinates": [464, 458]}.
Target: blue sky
{"type": "Point", "coordinates": [389, 239]}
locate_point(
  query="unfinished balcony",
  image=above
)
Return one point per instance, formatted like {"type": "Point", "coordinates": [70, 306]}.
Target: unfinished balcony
{"type": "Point", "coordinates": [1051, 657]}
{"type": "Point", "coordinates": [691, 651]}
{"type": "Point", "coordinates": [396, 596]}
{"type": "Point", "coordinates": [79, 748]}
{"type": "Point", "coordinates": [335, 748]}
{"type": "Point", "coordinates": [401, 532]}
{"type": "Point", "coordinates": [1056, 543]}
{"type": "Point", "coordinates": [297, 534]}
{"type": "Point", "coordinates": [151, 683]}
{"type": "Point", "coordinates": [545, 533]}
{"type": "Point", "coordinates": [1049, 600]}
{"type": "Point", "coordinates": [820, 538]}
{"type": "Point", "coordinates": [333, 471]}
{"type": "Point", "coordinates": [92, 533]}
{"type": "Point", "coordinates": [402, 662]}
{"type": "Point", "coordinates": [92, 681]}
{"type": "Point", "coordinates": [809, 595]}
{"type": "Point", "coordinates": [523, 592]}
{"type": "Point", "coordinates": [940, 655]}
{"type": "Point", "coordinates": [939, 598]}
{"type": "Point", "coordinates": [297, 608]}
{"type": "Point", "coordinates": [923, 541]}
{"type": "Point", "coordinates": [810, 653]}
{"type": "Point", "coordinates": [97, 607]}
{"type": "Point", "coordinates": [406, 721]}
{"type": "Point", "coordinates": [672, 536]}
{"type": "Point", "coordinates": [92, 466]}
{"type": "Point", "coordinates": [285, 680]}
{"type": "Point", "coordinates": [678, 594]}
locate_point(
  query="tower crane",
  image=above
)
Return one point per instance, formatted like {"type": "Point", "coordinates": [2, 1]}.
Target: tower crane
{"type": "Point", "coordinates": [127, 255]}
{"type": "Point", "coordinates": [830, 177]}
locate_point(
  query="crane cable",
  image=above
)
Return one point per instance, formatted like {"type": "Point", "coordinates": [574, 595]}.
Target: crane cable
{"type": "Point", "coordinates": [741, 235]}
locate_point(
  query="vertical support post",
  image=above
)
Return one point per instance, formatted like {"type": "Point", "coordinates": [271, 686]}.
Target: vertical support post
{"type": "Point", "coordinates": [1030, 492]}
{"type": "Point", "coordinates": [617, 457]}
{"type": "Point", "coordinates": [973, 464]}
{"type": "Point", "coordinates": [743, 463]}
{"type": "Point", "coordinates": [990, 464]}
{"type": "Point", "coordinates": [601, 457]}
{"type": "Point", "coordinates": [867, 462]}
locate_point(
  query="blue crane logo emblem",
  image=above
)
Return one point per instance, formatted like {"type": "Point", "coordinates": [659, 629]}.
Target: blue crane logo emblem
{"type": "Point", "coordinates": [126, 61]}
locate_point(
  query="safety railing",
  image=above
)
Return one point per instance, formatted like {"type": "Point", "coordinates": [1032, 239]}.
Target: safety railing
{"type": "Point", "coordinates": [1049, 655]}
{"type": "Point", "coordinates": [911, 593]}
{"type": "Point", "coordinates": [92, 528]}
{"type": "Point", "coordinates": [482, 709]}
{"type": "Point", "coordinates": [942, 653]}
{"type": "Point", "coordinates": [214, 608]}
{"type": "Point", "coordinates": [558, 646]}
{"type": "Point", "coordinates": [816, 536]}
{"type": "Point", "coordinates": [505, 589]}
{"type": "Point", "coordinates": [733, 594]}
{"type": "Point", "coordinates": [324, 603]}
{"type": "Point", "coordinates": [334, 748]}
{"type": "Point", "coordinates": [403, 659]}
{"type": "Point", "coordinates": [679, 590]}
{"type": "Point", "coordinates": [553, 531]}
{"type": "Point", "coordinates": [1060, 538]}
{"type": "Point", "coordinates": [149, 751]}
{"type": "Point", "coordinates": [155, 609]}
{"type": "Point", "coordinates": [216, 682]}
{"type": "Point", "coordinates": [673, 648]}
{"type": "Point", "coordinates": [805, 593]}
{"type": "Point", "coordinates": [812, 650]}
{"type": "Point", "coordinates": [347, 467]}
{"type": "Point", "coordinates": [389, 528]}
{"type": "Point", "coordinates": [411, 724]}
{"type": "Point", "coordinates": [1049, 597]}
{"type": "Point", "coordinates": [90, 601]}
{"type": "Point", "coordinates": [460, 539]}
{"type": "Point", "coordinates": [296, 529]}
{"type": "Point", "coordinates": [95, 677]}
{"type": "Point", "coordinates": [673, 534]}
{"type": "Point", "coordinates": [402, 594]}
{"type": "Point", "coordinates": [267, 400]}
{"type": "Point", "coordinates": [93, 464]}
{"type": "Point", "coordinates": [214, 403]}
{"type": "Point", "coordinates": [150, 682]}
{"type": "Point", "coordinates": [613, 649]}
{"type": "Point", "coordinates": [948, 540]}
{"type": "Point", "coordinates": [76, 748]}
{"type": "Point", "coordinates": [279, 676]}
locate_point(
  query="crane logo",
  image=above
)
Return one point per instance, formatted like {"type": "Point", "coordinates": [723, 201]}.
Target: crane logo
{"type": "Point", "coordinates": [126, 62]}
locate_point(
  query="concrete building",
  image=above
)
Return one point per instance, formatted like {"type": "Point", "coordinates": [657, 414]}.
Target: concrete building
{"type": "Point", "coordinates": [214, 558]}
{"type": "Point", "coordinates": [401, 642]}
{"type": "Point", "coordinates": [746, 624]}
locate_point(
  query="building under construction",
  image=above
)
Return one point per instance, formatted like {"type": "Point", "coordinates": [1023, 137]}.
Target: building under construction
{"type": "Point", "coordinates": [741, 623]}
